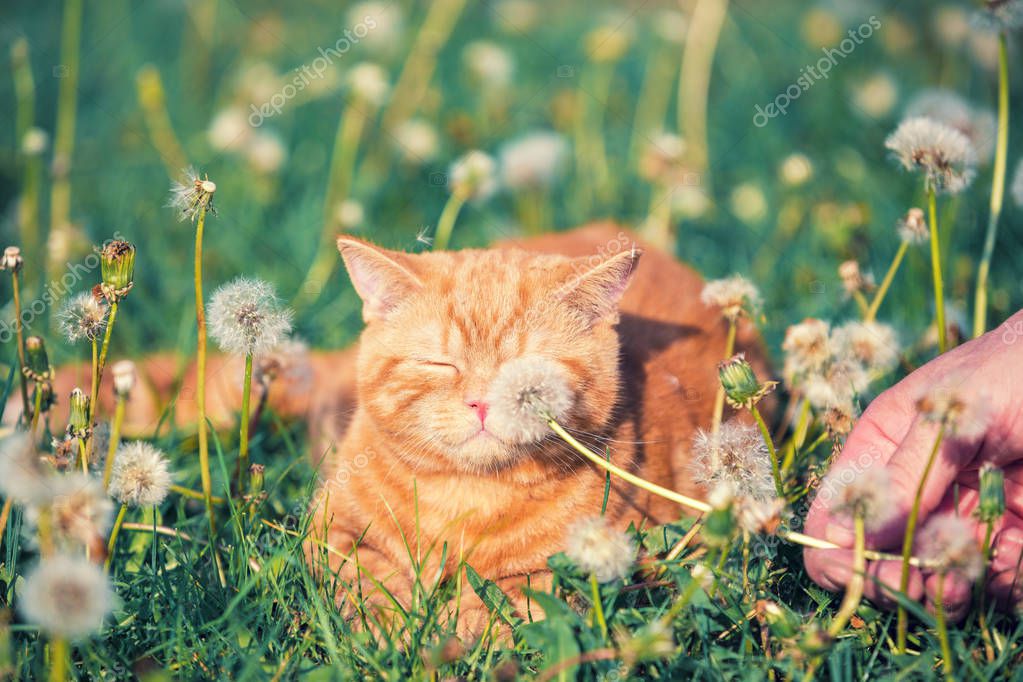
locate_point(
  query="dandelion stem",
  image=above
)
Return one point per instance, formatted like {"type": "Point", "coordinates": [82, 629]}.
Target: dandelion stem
{"type": "Point", "coordinates": [719, 397]}
{"type": "Point", "coordinates": [115, 437]}
{"type": "Point", "coordinates": [83, 454]}
{"type": "Point", "coordinates": [692, 503]}
{"type": "Point", "coordinates": [854, 590]}
{"type": "Point", "coordinates": [37, 408]}
{"type": "Point", "coordinates": [598, 605]}
{"type": "Point", "coordinates": [997, 189]}
{"type": "Point", "coordinates": [907, 540]}
{"type": "Point", "coordinates": [200, 389]}
{"type": "Point", "coordinates": [58, 659]}
{"type": "Point", "coordinates": [113, 536]}
{"type": "Point", "coordinates": [939, 286]}
{"type": "Point", "coordinates": [25, 96]}
{"type": "Point", "coordinates": [4, 516]}
{"type": "Point", "coordinates": [882, 289]}
{"type": "Point", "coordinates": [942, 627]}
{"type": "Point", "coordinates": [694, 78]}
{"type": "Point", "coordinates": [101, 363]}
{"type": "Point", "coordinates": [446, 223]}
{"type": "Point", "coordinates": [195, 494]}
{"type": "Point", "coordinates": [766, 433]}
{"type": "Point", "coordinates": [243, 436]}
{"type": "Point", "coordinates": [19, 334]}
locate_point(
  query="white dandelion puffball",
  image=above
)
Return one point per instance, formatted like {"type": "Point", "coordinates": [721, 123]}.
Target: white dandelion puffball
{"type": "Point", "coordinates": [140, 477]}
{"type": "Point", "coordinates": [525, 393]}
{"type": "Point", "coordinates": [22, 476]}
{"type": "Point", "coordinates": [807, 347]}
{"type": "Point", "coordinates": [266, 151]}
{"type": "Point", "coordinates": [488, 63]}
{"type": "Point", "coordinates": [83, 317]}
{"type": "Point", "coordinates": [945, 156]}
{"type": "Point", "coordinates": [979, 125]}
{"type": "Point", "coordinates": [599, 550]}
{"type": "Point", "coordinates": [79, 511]}
{"type": "Point", "coordinates": [416, 141]}
{"type": "Point", "coordinates": [383, 22]}
{"type": "Point", "coordinates": [246, 318]}
{"type": "Point", "coordinates": [66, 596]}
{"type": "Point", "coordinates": [736, 457]}
{"type": "Point", "coordinates": [533, 160]}
{"type": "Point", "coordinates": [229, 130]}
{"type": "Point", "coordinates": [853, 490]}
{"type": "Point", "coordinates": [368, 82]}
{"type": "Point", "coordinates": [735, 296]}
{"type": "Point", "coordinates": [473, 176]}
{"type": "Point", "coordinates": [873, 344]}
{"type": "Point", "coordinates": [947, 542]}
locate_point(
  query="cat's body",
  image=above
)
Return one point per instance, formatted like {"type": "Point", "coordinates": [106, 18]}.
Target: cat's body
{"type": "Point", "coordinates": [402, 471]}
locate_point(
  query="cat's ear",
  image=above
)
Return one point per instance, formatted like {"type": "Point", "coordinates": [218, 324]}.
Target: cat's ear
{"type": "Point", "coordinates": [595, 290]}
{"type": "Point", "coordinates": [378, 275]}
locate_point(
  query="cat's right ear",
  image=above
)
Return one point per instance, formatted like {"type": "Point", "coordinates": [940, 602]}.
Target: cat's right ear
{"type": "Point", "coordinates": [378, 275]}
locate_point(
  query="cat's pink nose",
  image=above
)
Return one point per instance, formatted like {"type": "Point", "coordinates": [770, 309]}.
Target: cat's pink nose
{"type": "Point", "coordinates": [480, 407]}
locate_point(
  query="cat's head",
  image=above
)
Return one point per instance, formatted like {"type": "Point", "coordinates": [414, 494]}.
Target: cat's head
{"type": "Point", "coordinates": [461, 347]}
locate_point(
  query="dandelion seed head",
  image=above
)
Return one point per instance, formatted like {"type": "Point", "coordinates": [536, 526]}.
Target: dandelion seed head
{"type": "Point", "coordinates": [913, 228]}
{"type": "Point", "coordinates": [66, 596]}
{"type": "Point", "coordinates": [35, 142]}
{"type": "Point", "coordinates": [288, 362]}
{"type": "Point", "coordinates": [873, 344]}
{"type": "Point", "coordinates": [737, 456]}
{"type": "Point", "coordinates": [760, 516]}
{"type": "Point", "coordinates": [978, 124]}
{"type": "Point", "coordinates": [22, 476]}
{"type": "Point", "coordinates": [489, 64]}
{"type": "Point", "coordinates": [367, 82]}
{"type": "Point", "coordinates": [736, 296]}
{"type": "Point", "coordinates": [124, 375]}
{"type": "Point", "coordinates": [867, 492]}
{"type": "Point", "coordinates": [266, 151]}
{"type": "Point", "coordinates": [796, 170]}
{"type": "Point", "coordinates": [807, 348]}
{"type": "Point", "coordinates": [384, 21]}
{"type": "Point", "coordinates": [947, 542]}
{"type": "Point", "coordinates": [1000, 15]}
{"type": "Point", "coordinates": [192, 195]}
{"type": "Point", "coordinates": [837, 385]}
{"type": "Point", "coordinates": [140, 477]}
{"type": "Point", "coordinates": [83, 317]}
{"type": "Point", "coordinates": [416, 141]}
{"type": "Point", "coordinates": [534, 160]}
{"type": "Point", "coordinates": [229, 130]}
{"type": "Point", "coordinates": [943, 154]}
{"type": "Point", "coordinates": [12, 259]}
{"type": "Point", "coordinates": [600, 550]}
{"type": "Point", "coordinates": [79, 512]}
{"type": "Point", "coordinates": [246, 318]}
{"type": "Point", "coordinates": [350, 214]}
{"type": "Point", "coordinates": [965, 418]}
{"type": "Point", "coordinates": [525, 393]}
{"type": "Point", "coordinates": [851, 276]}
{"type": "Point", "coordinates": [473, 176]}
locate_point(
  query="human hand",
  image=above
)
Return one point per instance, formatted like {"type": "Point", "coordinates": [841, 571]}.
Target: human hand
{"type": "Point", "coordinates": [986, 374]}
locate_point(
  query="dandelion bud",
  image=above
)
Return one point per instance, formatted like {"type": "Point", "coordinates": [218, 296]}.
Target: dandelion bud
{"type": "Point", "coordinates": [140, 476]}
{"type": "Point", "coordinates": [66, 596]}
{"type": "Point", "coordinates": [257, 473]}
{"type": "Point", "coordinates": [992, 493]}
{"type": "Point", "coordinates": [913, 227]}
{"type": "Point", "coordinates": [12, 259]}
{"type": "Point", "coordinates": [815, 642]}
{"type": "Point", "coordinates": [117, 264]}
{"type": "Point", "coordinates": [472, 176]}
{"type": "Point", "coordinates": [781, 622]}
{"type": "Point", "coordinates": [78, 421]}
{"type": "Point", "coordinates": [600, 550]}
{"type": "Point", "coordinates": [742, 389]}
{"type": "Point", "coordinates": [124, 378]}
{"type": "Point", "coordinates": [37, 362]}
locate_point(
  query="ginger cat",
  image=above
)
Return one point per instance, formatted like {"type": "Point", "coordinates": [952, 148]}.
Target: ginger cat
{"type": "Point", "coordinates": [414, 423]}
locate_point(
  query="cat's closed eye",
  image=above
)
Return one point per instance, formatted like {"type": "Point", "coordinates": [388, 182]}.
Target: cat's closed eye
{"type": "Point", "coordinates": [439, 365]}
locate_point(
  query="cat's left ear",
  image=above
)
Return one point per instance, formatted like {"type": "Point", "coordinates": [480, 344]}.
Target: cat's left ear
{"type": "Point", "coordinates": [379, 276]}
{"type": "Point", "coordinates": [596, 290]}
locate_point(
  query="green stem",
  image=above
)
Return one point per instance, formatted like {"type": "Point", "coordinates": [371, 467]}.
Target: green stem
{"type": "Point", "coordinates": [882, 289]}
{"type": "Point", "coordinates": [58, 659]}
{"type": "Point", "coordinates": [115, 437]}
{"type": "Point", "coordinates": [775, 470]}
{"type": "Point", "coordinates": [243, 436]}
{"type": "Point", "coordinates": [19, 334]}
{"type": "Point", "coordinates": [113, 536]}
{"type": "Point", "coordinates": [854, 590]}
{"type": "Point", "coordinates": [907, 540]}
{"type": "Point", "coordinates": [997, 190]}
{"type": "Point", "coordinates": [195, 494]}
{"type": "Point", "coordinates": [598, 605]}
{"type": "Point", "coordinates": [939, 286]}
{"type": "Point", "coordinates": [37, 408]}
{"type": "Point", "coordinates": [200, 389]}
{"type": "Point", "coordinates": [83, 454]}
{"type": "Point", "coordinates": [719, 397]}
{"type": "Point", "coordinates": [101, 362]}
{"type": "Point", "coordinates": [942, 627]}
{"type": "Point", "coordinates": [446, 223]}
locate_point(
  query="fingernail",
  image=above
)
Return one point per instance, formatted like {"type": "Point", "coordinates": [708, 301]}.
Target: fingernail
{"type": "Point", "coordinates": [839, 534]}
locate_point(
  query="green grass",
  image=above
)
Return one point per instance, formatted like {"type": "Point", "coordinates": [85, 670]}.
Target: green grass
{"type": "Point", "coordinates": [274, 619]}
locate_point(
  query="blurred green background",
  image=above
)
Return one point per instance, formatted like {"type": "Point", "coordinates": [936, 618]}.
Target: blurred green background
{"type": "Point", "coordinates": [785, 221]}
